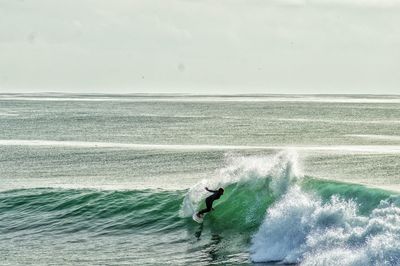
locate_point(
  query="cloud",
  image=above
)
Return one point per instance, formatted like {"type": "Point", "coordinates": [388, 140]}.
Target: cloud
{"type": "Point", "coordinates": [349, 3]}
{"type": "Point", "coordinates": [186, 45]}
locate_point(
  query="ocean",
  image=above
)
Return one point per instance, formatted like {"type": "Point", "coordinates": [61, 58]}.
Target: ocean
{"type": "Point", "coordinates": [102, 179]}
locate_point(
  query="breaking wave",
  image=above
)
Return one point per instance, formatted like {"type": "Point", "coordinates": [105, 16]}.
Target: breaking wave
{"type": "Point", "coordinates": [283, 215]}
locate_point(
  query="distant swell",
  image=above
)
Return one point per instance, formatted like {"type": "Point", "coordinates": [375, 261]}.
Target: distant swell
{"type": "Point", "coordinates": [382, 149]}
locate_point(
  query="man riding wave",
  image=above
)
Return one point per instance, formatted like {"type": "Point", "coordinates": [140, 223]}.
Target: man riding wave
{"type": "Point", "coordinates": [209, 201]}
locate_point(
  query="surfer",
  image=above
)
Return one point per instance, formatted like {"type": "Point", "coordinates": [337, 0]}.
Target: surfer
{"type": "Point", "coordinates": [210, 199]}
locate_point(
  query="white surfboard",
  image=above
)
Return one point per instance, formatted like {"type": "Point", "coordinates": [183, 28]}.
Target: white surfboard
{"type": "Point", "coordinates": [197, 218]}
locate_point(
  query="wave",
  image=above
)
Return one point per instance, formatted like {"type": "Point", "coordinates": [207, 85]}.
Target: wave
{"type": "Point", "coordinates": [137, 146]}
{"type": "Point", "coordinates": [377, 137]}
{"type": "Point", "coordinates": [36, 211]}
{"type": "Point", "coordinates": [309, 120]}
{"type": "Point", "coordinates": [302, 228]}
{"type": "Point", "coordinates": [282, 214]}
{"type": "Point", "coordinates": [8, 114]}
{"type": "Point", "coordinates": [363, 149]}
{"type": "Point", "coordinates": [314, 222]}
{"type": "Point", "coordinates": [302, 220]}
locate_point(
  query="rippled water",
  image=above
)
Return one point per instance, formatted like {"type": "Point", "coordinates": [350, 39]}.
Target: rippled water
{"type": "Point", "coordinates": [112, 179]}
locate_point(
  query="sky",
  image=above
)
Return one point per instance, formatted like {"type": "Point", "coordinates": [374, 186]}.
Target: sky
{"type": "Point", "coordinates": [205, 47]}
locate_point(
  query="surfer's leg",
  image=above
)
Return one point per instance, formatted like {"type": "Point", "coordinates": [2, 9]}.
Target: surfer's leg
{"type": "Point", "coordinates": [208, 209]}
{"type": "Point", "coordinates": [202, 212]}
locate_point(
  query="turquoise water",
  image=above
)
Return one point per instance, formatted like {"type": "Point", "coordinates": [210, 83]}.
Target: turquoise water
{"type": "Point", "coordinates": [114, 179]}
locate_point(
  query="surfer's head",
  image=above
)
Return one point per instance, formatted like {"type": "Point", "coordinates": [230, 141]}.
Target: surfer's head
{"type": "Point", "coordinates": [221, 190]}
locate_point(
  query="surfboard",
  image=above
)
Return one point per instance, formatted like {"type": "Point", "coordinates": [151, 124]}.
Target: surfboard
{"type": "Point", "coordinates": [197, 219]}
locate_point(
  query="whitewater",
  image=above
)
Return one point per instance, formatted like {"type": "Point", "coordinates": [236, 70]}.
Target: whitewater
{"type": "Point", "coordinates": [115, 179]}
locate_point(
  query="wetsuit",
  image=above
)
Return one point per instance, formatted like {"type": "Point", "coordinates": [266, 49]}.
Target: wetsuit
{"type": "Point", "coordinates": [209, 201]}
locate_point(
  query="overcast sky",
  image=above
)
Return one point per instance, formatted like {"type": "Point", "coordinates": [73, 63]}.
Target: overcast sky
{"type": "Point", "coordinates": [215, 46]}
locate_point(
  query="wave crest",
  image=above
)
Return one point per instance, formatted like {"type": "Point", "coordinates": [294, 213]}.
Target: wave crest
{"type": "Point", "coordinates": [259, 175]}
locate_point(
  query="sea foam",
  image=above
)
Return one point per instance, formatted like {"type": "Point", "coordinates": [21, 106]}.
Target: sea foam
{"type": "Point", "coordinates": [302, 228]}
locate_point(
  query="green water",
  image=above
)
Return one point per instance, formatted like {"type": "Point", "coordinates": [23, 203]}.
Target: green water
{"type": "Point", "coordinates": [103, 179]}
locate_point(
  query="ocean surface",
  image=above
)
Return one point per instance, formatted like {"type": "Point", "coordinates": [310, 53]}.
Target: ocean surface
{"type": "Point", "coordinates": [101, 179]}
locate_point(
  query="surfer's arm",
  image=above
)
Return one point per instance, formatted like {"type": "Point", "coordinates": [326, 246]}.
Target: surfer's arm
{"type": "Point", "coordinates": [209, 190]}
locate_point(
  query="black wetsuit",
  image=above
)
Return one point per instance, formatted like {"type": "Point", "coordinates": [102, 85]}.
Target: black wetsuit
{"type": "Point", "coordinates": [209, 201]}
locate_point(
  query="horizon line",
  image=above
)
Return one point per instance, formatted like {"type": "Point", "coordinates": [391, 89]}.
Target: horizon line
{"type": "Point", "coordinates": [183, 94]}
